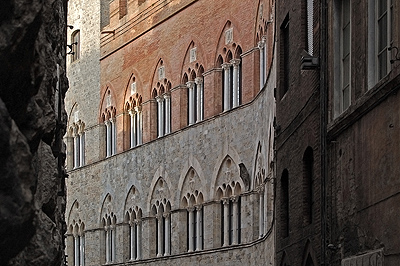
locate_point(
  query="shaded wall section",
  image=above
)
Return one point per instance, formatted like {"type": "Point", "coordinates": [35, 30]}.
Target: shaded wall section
{"type": "Point", "coordinates": [32, 121]}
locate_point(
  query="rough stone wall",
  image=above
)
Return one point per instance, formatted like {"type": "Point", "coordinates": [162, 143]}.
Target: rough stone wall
{"type": "Point", "coordinates": [32, 195]}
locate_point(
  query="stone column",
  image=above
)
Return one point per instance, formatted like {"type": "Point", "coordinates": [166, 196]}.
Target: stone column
{"type": "Point", "coordinates": [160, 235]}
{"type": "Point", "coordinates": [160, 109]}
{"type": "Point", "coordinates": [112, 244]}
{"type": "Point", "coordinates": [138, 111]}
{"type": "Point", "coordinates": [235, 220]}
{"type": "Point", "coordinates": [190, 85]}
{"type": "Point", "coordinates": [82, 250]}
{"type": "Point", "coordinates": [261, 211]}
{"type": "Point", "coordinates": [76, 147]}
{"type": "Point", "coordinates": [191, 229]}
{"type": "Point", "coordinates": [199, 229]}
{"type": "Point", "coordinates": [167, 99]}
{"type": "Point", "coordinates": [235, 79]}
{"type": "Point", "coordinates": [261, 46]}
{"type": "Point", "coordinates": [81, 148]}
{"type": "Point", "coordinates": [70, 152]}
{"type": "Point", "coordinates": [106, 228]}
{"type": "Point", "coordinates": [225, 203]}
{"type": "Point", "coordinates": [227, 96]}
{"type": "Point", "coordinates": [132, 115]}
{"type": "Point", "coordinates": [264, 40]}
{"type": "Point", "coordinates": [138, 239]}
{"type": "Point", "coordinates": [76, 249]}
{"type": "Point", "coordinates": [132, 240]}
{"type": "Point", "coordinates": [200, 104]}
{"type": "Point", "coordinates": [167, 231]}
{"type": "Point", "coordinates": [113, 136]}
{"type": "Point", "coordinates": [108, 137]}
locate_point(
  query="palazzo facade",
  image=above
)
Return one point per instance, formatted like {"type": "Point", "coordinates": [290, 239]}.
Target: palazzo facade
{"type": "Point", "coordinates": [170, 136]}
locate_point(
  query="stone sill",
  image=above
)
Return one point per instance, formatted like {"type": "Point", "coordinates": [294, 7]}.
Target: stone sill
{"type": "Point", "coordinates": [372, 98]}
{"type": "Point", "coordinates": [197, 253]}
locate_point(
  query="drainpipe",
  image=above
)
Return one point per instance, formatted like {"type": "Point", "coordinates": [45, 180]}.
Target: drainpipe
{"type": "Point", "coordinates": [323, 129]}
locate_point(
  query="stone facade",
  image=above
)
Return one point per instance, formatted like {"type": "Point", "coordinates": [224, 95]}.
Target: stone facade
{"type": "Point", "coordinates": [220, 167]}
{"type": "Point", "coordinates": [32, 123]}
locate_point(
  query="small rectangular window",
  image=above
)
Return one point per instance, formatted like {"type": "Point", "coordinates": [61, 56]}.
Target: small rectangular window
{"type": "Point", "coordinates": [345, 55]}
{"type": "Point", "coordinates": [284, 56]}
{"type": "Point", "coordinates": [75, 45]}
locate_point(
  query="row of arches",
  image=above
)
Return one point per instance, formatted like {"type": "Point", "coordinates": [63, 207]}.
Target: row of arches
{"type": "Point", "coordinates": [229, 186]}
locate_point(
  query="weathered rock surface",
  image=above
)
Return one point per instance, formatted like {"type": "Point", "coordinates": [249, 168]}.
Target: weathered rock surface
{"type": "Point", "coordinates": [32, 121]}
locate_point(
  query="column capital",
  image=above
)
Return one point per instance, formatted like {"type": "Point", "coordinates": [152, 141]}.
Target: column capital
{"type": "Point", "coordinates": [234, 199]}
{"type": "Point", "coordinates": [190, 84]}
{"type": "Point", "coordinates": [112, 120]}
{"type": "Point", "coordinates": [166, 214]}
{"type": "Point", "coordinates": [107, 122]}
{"type": "Point", "coordinates": [190, 209]}
{"type": "Point", "coordinates": [261, 44]}
{"type": "Point", "coordinates": [235, 62]}
{"type": "Point", "coordinates": [264, 39]}
{"type": "Point", "coordinates": [159, 98]}
{"type": "Point", "coordinates": [225, 201]}
{"type": "Point", "coordinates": [138, 109]}
{"type": "Point", "coordinates": [75, 130]}
{"type": "Point", "coordinates": [132, 112]}
{"type": "Point", "coordinates": [198, 80]}
{"type": "Point", "coordinates": [199, 207]}
{"type": "Point", "coordinates": [167, 95]}
{"type": "Point", "coordinates": [226, 66]}
{"type": "Point", "coordinates": [260, 188]}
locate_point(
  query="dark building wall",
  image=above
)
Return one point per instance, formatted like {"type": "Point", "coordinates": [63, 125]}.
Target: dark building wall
{"type": "Point", "coordinates": [297, 129]}
{"type": "Point", "coordinates": [364, 152]}
{"type": "Point", "coordinates": [32, 44]}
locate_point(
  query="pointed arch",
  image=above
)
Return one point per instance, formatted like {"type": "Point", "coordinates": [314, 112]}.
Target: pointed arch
{"type": "Point", "coordinates": [137, 88]}
{"type": "Point", "coordinates": [108, 94]}
{"type": "Point", "coordinates": [160, 75]}
{"type": "Point", "coordinates": [74, 108]}
{"type": "Point", "coordinates": [228, 177]}
{"type": "Point", "coordinates": [308, 180]}
{"type": "Point", "coordinates": [200, 182]}
{"type": "Point", "coordinates": [309, 255]}
{"type": "Point", "coordinates": [133, 198]}
{"type": "Point", "coordinates": [193, 58]}
{"type": "Point", "coordinates": [238, 52]}
{"type": "Point", "coordinates": [259, 167]}
{"type": "Point", "coordinates": [74, 212]}
{"type": "Point", "coordinates": [284, 259]}
{"type": "Point", "coordinates": [160, 174]}
{"type": "Point", "coordinates": [228, 151]}
{"type": "Point", "coordinates": [106, 206]}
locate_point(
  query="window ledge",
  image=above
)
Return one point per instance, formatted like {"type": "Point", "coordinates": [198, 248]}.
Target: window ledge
{"type": "Point", "coordinates": [363, 105]}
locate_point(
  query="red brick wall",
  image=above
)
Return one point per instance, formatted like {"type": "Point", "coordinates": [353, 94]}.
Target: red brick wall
{"type": "Point", "coordinates": [138, 51]}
